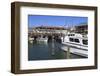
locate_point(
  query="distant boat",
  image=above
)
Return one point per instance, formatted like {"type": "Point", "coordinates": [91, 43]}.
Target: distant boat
{"type": "Point", "coordinates": [42, 39]}
{"type": "Point", "coordinates": [30, 39]}
{"type": "Point", "coordinates": [77, 43]}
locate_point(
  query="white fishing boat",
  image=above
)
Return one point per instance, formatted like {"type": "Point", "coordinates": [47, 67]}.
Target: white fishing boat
{"type": "Point", "coordinates": [42, 39]}
{"type": "Point", "coordinates": [30, 39]}
{"type": "Point", "coordinates": [77, 43]}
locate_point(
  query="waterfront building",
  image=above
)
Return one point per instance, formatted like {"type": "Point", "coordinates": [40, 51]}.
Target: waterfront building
{"type": "Point", "coordinates": [81, 28]}
{"type": "Point", "coordinates": [49, 30]}
{"type": "Point", "coordinates": [57, 30]}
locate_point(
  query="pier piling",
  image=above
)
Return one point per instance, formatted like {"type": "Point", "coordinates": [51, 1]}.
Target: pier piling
{"type": "Point", "coordinates": [68, 53]}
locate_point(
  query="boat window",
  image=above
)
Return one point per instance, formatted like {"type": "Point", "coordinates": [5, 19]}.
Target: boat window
{"type": "Point", "coordinates": [68, 34]}
{"type": "Point", "coordinates": [71, 34]}
{"type": "Point", "coordinates": [44, 36]}
{"type": "Point", "coordinates": [85, 42]}
{"type": "Point", "coordinates": [71, 39]}
{"type": "Point", "coordinates": [77, 40]}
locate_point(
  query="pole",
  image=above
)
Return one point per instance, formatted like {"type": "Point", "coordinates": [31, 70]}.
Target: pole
{"type": "Point", "coordinates": [68, 53]}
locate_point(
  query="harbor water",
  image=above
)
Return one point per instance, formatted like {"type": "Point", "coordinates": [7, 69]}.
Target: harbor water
{"type": "Point", "coordinates": [39, 50]}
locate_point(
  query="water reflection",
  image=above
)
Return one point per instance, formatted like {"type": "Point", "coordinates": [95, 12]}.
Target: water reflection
{"type": "Point", "coordinates": [46, 51]}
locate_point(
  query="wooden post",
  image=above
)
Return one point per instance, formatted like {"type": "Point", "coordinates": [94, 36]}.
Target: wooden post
{"type": "Point", "coordinates": [68, 53]}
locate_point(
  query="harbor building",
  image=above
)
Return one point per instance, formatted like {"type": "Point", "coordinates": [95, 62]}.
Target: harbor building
{"type": "Point", "coordinates": [82, 29]}
{"type": "Point", "coordinates": [56, 31]}
{"type": "Point", "coordinates": [48, 30]}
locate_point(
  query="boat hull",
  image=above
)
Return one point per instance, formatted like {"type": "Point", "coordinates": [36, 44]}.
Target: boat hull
{"type": "Point", "coordinates": [75, 49]}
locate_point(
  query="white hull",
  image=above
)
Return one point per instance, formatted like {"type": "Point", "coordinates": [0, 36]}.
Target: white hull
{"type": "Point", "coordinates": [75, 49]}
{"type": "Point", "coordinates": [42, 39]}
{"type": "Point", "coordinates": [38, 39]}
{"type": "Point", "coordinates": [31, 39]}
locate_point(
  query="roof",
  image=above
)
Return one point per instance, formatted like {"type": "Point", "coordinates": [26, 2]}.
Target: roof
{"type": "Point", "coordinates": [51, 27]}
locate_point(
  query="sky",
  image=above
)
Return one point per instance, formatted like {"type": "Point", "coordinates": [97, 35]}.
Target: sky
{"type": "Point", "coordinates": [49, 20]}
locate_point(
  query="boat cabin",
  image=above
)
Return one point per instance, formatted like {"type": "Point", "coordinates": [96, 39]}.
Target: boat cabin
{"type": "Point", "coordinates": [76, 39]}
